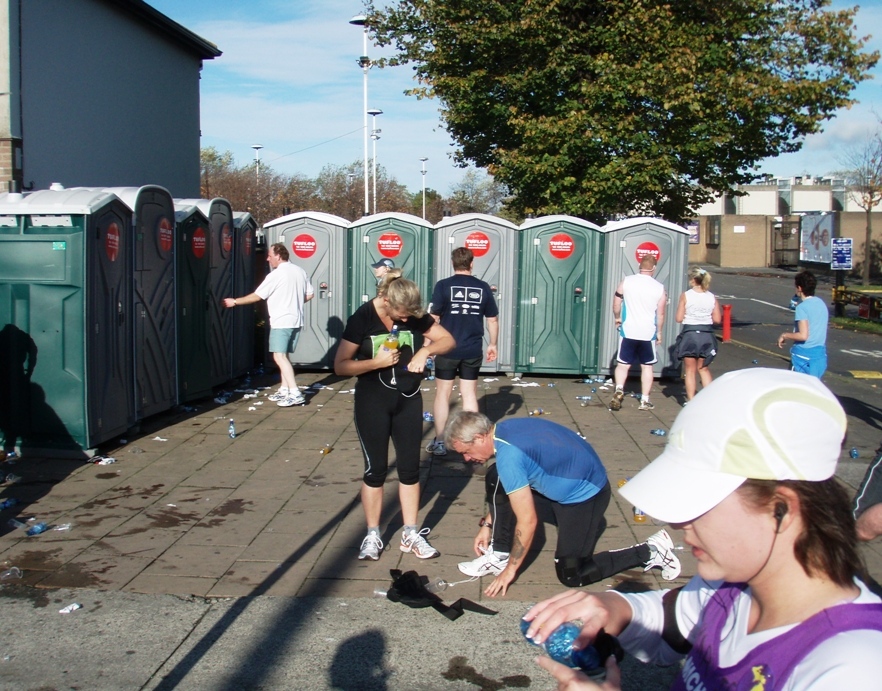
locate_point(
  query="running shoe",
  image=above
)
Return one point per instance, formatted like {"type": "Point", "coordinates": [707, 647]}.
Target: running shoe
{"type": "Point", "coordinates": [646, 405]}
{"type": "Point", "coordinates": [415, 542]}
{"type": "Point", "coordinates": [616, 402]}
{"type": "Point", "coordinates": [279, 395]}
{"type": "Point", "coordinates": [292, 399]}
{"type": "Point", "coordinates": [371, 547]}
{"type": "Point", "coordinates": [662, 548]}
{"type": "Point", "coordinates": [437, 448]}
{"type": "Point", "coordinates": [492, 563]}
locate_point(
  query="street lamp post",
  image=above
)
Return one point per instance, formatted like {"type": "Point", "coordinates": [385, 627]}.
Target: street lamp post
{"type": "Point", "coordinates": [375, 135]}
{"type": "Point", "coordinates": [257, 148]}
{"type": "Point", "coordinates": [424, 159]}
{"type": "Point", "coordinates": [365, 63]}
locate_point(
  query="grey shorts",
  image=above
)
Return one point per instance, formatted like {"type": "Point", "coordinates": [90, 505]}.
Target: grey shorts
{"type": "Point", "coordinates": [283, 340]}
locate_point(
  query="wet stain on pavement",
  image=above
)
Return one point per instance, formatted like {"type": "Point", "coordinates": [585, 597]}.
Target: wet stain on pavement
{"type": "Point", "coordinates": [39, 598]}
{"type": "Point", "coordinates": [459, 670]}
{"type": "Point", "coordinates": [107, 476]}
{"type": "Point", "coordinates": [39, 560]}
{"type": "Point", "coordinates": [232, 506]}
{"type": "Point", "coordinates": [78, 576]}
{"type": "Point", "coordinates": [125, 492]}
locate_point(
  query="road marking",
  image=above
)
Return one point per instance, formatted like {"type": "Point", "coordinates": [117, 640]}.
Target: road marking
{"type": "Point", "coordinates": [865, 374]}
{"type": "Point", "coordinates": [771, 304]}
{"type": "Point", "coordinates": [864, 353]}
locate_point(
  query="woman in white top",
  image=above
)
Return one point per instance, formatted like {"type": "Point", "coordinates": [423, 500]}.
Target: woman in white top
{"type": "Point", "coordinates": [697, 311]}
{"type": "Point", "coordinates": [780, 602]}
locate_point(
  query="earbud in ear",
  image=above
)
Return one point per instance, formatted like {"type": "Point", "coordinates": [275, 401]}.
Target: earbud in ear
{"type": "Point", "coordinates": [780, 511]}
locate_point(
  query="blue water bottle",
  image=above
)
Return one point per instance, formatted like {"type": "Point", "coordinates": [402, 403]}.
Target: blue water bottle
{"type": "Point", "coordinates": [591, 659]}
{"type": "Point", "coordinates": [232, 429]}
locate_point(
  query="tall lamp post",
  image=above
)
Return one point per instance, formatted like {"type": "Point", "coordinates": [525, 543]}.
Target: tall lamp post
{"type": "Point", "coordinates": [365, 63]}
{"type": "Point", "coordinates": [257, 148]}
{"type": "Point", "coordinates": [424, 159]}
{"type": "Point", "coordinates": [375, 135]}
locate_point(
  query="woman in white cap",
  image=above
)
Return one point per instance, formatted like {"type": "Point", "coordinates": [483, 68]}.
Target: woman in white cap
{"type": "Point", "coordinates": [698, 311]}
{"type": "Point", "coordinates": [778, 602]}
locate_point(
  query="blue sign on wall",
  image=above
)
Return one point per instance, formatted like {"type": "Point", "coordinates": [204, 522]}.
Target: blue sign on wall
{"type": "Point", "coordinates": [842, 251]}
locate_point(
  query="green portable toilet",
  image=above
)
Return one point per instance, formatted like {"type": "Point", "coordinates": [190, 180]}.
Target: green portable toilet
{"type": "Point", "coordinates": [155, 345]}
{"type": "Point", "coordinates": [559, 291]}
{"type": "Point", "coordinates": [317, 242]}
{"type": "Point", "coordinates": [193, 296]}
{"type": "Point", "coordinates": [66, 334]}
{"type": "Point", "coordinates": [244, 245]}
{"type": "Point", "coordinates": [405, 239]}
{"type": "Point", "coordinates": [220, 285]}
{"type": "Point", "coordinates": [494, 242]}
{"type": "Point", "coordinates": [626, 242]}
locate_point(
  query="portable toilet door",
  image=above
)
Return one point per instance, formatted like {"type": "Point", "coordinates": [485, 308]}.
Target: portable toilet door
{"type": "Point", "coordinates": [494, 242]}
{"type": "Point", "coordinates": [155, 345]}
{"type": "Point", "coordinates": [193, 296]}
{"type": "Point", "coordinates": [561, 260]}
{"type": "Point", "coordinates": [244, 244]}
{"type": "Point", "coordinates": [65, 306]}
{"type": "Point", "coordinates": [316, 242]}
{"type": "Point", "coordinates": [220, 285]}
{"type": "Point", "coordinates": [403, 238]}
{"type": "Point", "coordinates": [626, 243]}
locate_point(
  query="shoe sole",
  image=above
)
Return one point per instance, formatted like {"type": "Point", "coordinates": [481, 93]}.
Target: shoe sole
{"type": "Point", "coordinates": [408, 550]}
{"type": "Point", "coordinates": [282, 404]}
{"type": "Point", "coordinates": [615, 404]}
{"type": "Point", "coordinates": [368, 556]}
{"type": "Point", "coordinates": [473, 574]}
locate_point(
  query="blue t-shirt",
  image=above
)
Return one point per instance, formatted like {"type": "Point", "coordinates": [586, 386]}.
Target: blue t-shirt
{"type": "Point", "coordinates": [462, 301]}
{"type": "Point", "coordinates": [549, 458]}
{"type": "Point", "coordinates": [815, 311]}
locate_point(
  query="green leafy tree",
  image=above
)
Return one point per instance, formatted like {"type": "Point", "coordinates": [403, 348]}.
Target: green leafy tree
{"type": "Point", "coordinates": [863, 178]}
{"type": "Point", "coordinates": [608, 107]}
{"type": "Point", "coordinates": [477, 192]}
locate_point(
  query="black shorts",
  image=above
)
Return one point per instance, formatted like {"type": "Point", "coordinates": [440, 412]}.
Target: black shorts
{"type": "Point", "coordinates": [448, 368]}
{"type": "Point", "coordinates": [633, 352]}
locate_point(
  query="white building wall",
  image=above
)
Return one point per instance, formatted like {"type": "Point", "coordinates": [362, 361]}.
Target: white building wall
{"type": "Point", "coordinates": [106, 101]}
{"type": "Point", "coordinates": [811, 199]}
{"type": "Point", "coordinates": [763, 202]}
{"type": "Point", "coordinates": [712, 208]}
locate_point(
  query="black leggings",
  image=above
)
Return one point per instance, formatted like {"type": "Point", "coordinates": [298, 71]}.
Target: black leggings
{"type": "Point", "coordinates": [382, 414]}
{"type": "Point", "coordinates": [579, 527]}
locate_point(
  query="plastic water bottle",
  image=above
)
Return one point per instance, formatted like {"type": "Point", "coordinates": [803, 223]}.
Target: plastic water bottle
{"type": "Point", "coordinates": [37, 528]}
{"type": "Point", "coordinates": [6, 503]}
{"type": "Point", "coordinates": [639, 516]}
{"type": "Point", "coordinates": [854, 452]}
{"type": "Point", "coordinates": [559, 647]}
{"type": "Point", "coordinates": [794, 301]}
{"type": "Point", "coordinates": [232, 428]}
{"type": "Point", "coordinates": [658, 432]}
{"type": "Point", "coordinates": [430, 368]}
{"type": "Point", "coordinates": [391, 342]}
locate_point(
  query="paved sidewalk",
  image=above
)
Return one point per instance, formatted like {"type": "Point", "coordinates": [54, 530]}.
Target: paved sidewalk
{"type": "Point", "coordinates": [188, 512]}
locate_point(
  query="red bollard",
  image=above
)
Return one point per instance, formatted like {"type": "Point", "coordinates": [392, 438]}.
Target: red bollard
{"type": "Point", "coordinates": [727, 323]}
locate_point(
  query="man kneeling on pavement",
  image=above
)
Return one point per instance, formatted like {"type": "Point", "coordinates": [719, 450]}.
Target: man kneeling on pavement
{"type": "Point", "coordinates": [544, 468]}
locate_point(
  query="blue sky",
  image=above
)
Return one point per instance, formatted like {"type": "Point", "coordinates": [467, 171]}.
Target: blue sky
{"type": "Point", "coordinates": [288, 80]}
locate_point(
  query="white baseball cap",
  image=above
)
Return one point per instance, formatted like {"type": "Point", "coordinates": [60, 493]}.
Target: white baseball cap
{"type": "Point", "coordinates": [764, 424]}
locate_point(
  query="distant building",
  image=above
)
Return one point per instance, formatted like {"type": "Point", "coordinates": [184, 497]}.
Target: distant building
{"type": "Point", "coordinates": [762, 226]}
{"type": "Point", "coordinates": [98, 93]}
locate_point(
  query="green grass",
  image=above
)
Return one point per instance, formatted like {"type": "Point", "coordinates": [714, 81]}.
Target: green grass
{"type": "Point", "coordinates": [862, 325]}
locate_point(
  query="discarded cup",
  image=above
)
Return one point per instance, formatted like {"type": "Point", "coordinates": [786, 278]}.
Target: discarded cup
{"type": "Point", "coordinates": [437, 585]}
{"type": "Point", "coordinates": [380, 592]}
{"type": "Point", "coordinates": [16, 524]}
{"type": "Point", "coordinates": [10, 574]}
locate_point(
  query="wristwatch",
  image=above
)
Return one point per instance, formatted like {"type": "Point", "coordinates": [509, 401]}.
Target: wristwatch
{"type": "Point", "coordinates": [484, 523]}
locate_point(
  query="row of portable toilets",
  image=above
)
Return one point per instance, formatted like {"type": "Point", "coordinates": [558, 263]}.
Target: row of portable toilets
{"type": "Point", "coordinates": [111, 298]}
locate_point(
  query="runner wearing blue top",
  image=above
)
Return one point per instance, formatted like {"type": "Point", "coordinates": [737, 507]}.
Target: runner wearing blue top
{"type": "Point", "coordinates": [809, 352]}
{"type": "Point", "coordinates": [543, 468]}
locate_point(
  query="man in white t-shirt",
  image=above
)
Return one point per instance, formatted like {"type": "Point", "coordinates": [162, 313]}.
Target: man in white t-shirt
{"type": "Point", "coordinates": [285, 290]}
{"type": "Point", "coordinates": [639, 311]}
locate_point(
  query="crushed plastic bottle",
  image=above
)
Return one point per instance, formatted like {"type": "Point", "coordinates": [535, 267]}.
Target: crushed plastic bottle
{"type": "Point", "coordinates": [326, 449]}
{"type": "Point", "coordinates": [537, 411]}
{"type": "Point", "coordinates": [13, 572]}
{"type": "Point", "coordinates": [559, 647]}
{"type": "Point", "coordinates": [755, 362]}
{"type": "Point", "coordinates": [70, 608]}
{"type": "Point", "coordinates": [551, 384]}
{"type": "Point", "coordinates": [8, 503]}
{"type": "Point", "coordinates": [854, 452]}
{"type": "Point", "coordinates": [232, 429]}
{"type": "Point", "coordinates": [658, 432]}
{"type": "Point", "coordinates": [36, 529]}
{"type": "Point", "coordinates": [437, 585]}
{"type": "Point", "coordinates": [584, 400]}
{"type": "Point", "coordinates": [428, 417]}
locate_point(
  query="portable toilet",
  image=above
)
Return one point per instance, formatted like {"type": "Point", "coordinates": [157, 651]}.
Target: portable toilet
{"type": "Point", "coordinates": [66, 311]}
{"type": "Point", "coordinates": [244, 245]}
{"type": "Point", "coordinates": [193, 294]}
{"type": "Point", "coordinates": [494, 242]}
{"type": "Point", "coordinates": [559, 291]}
{"type": "Point", "coordinates": [403, 238]}
{"type": "Point", "coordinates": [317, 242]}
{"type": "Point", "coordinates": [155, 334]}
{"type": "Point", "coordinates": [626, 242]}
{"type": "Point", "coordinates": [220, 285]}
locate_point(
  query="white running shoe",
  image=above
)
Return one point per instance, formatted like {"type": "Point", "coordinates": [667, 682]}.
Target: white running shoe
{"type": "Point", "coordinates": [371, 547]}
{"type": "Point", "coordinates": [282, 393]}
{"type": "Point", "coordinates": [661, 548]}
{"type": "Point", "coordinates": [437, 448]}
{"type": "Point", "coordinates": [413, 541]}
{"type": "Point", "coordinates": [292, 399]}
{"type": "Point", "coordinates": [492, 563]}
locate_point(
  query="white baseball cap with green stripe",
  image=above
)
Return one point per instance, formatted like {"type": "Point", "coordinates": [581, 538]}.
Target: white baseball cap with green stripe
{"type": "Point", "coordinates": [764, 424]}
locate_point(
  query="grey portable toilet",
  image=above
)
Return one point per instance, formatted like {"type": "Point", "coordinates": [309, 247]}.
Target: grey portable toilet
{"type": "Point", "coordinates": [317, 242]}
{"type": "Point", "coordinates": [559, 288]}
{"type": "Point", "coordinates": [244, 245]}
{"type": "Point", "coordinates": [220, 252]}
{"type": "Point", "coordinates": [626, 242]}
{"type": "Point", "coordinates": [494, 242]}
{"type": "Point", "coordinates": [66, 381]}
{"type": "Point", "coordinates": [193, 276]}
{"type": "Point", "coordinates": [155, 334]}
{"type": "Point", "coordinates": [403, 238]}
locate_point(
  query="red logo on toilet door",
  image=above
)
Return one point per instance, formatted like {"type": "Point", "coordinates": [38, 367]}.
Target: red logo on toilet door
{"type": "Point", "coordinates": [165, 234]}
{"type": "Point", "coordinates": [561, 246]}
{"type": "Point", "coordinates": [111, 242]}
{"type": "Point", "coordinates": [645, 248]}
{"type": "Point", "coordinates": [390, 244]}
{"type": "Point", "coordinates": [303, 246]}
{"type": "Point", "coordinates": [198, 243]}
{"type": "Point", "coordinates": [226, 238]}
{"type": "Point", "coordinates": [478, 243]}
{"type": "Point", "coordinates": [247, 239]}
